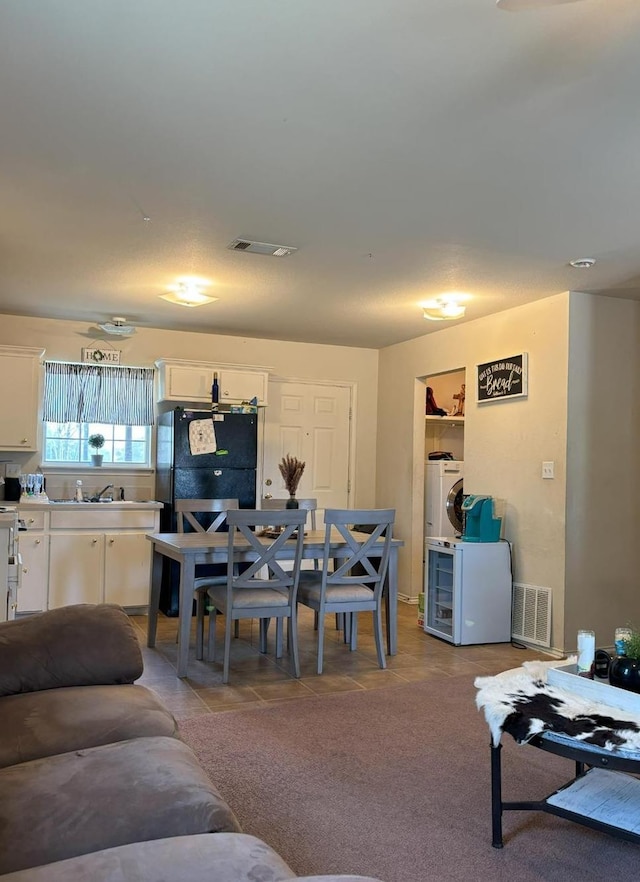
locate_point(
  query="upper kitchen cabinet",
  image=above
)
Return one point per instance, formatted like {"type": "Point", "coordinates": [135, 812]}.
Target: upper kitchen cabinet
{"type": "Point", "coordinates": [189, 382]}
{"type": "Point", "coordinates": [20, 385]}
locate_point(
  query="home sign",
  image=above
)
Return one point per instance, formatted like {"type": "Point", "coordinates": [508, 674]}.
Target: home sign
{"type": "Point", "coordinates": [101, 356]}
{"type": "Point", "coordinates": [503, 378]}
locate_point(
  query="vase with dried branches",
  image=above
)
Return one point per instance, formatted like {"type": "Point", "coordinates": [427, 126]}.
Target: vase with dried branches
{"type": "Point", "coordinates": [291, 469]}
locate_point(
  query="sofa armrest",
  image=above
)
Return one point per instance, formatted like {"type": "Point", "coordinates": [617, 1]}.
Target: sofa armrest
{"type": "Point", "coordinates": [83, 645]}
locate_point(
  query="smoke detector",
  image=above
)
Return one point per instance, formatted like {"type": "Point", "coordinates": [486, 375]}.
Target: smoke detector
{"type": "Point", "coordinates": [261, 248]}
{"type": "Point", "coordinates": [582, 262]}
{"type": "Point", "coordinates": [118, 327]}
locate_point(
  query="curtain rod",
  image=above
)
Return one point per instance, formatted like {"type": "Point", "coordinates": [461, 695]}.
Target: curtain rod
{"type": "Point", "coordinates": [143, 367]}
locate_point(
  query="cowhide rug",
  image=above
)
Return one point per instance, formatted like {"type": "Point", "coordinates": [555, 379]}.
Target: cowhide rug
{"type": "Point", "coordinates": [521, 703]}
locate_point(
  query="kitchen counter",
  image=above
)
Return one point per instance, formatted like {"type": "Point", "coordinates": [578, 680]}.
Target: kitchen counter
{"type": "Point", "coordinates": [67, 504]}
{"type": "Point", "coordinates": [7, 519]}
{"type": "Point", "coordinates": [85, 552]}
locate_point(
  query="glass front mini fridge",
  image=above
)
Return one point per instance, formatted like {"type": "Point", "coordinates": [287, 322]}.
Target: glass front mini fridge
{"type": "Point", "coordinates": [467, 591]}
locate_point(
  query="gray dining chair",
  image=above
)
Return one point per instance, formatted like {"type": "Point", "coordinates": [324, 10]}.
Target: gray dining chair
{"type": "Point", "coordinates": [262, 589]}
{"type": "Point", "coordinates": [356, 582]}
{"type": "Point", "coordinates": [311, 505]}
{"type": "Point", "coordinates": [186, 511]}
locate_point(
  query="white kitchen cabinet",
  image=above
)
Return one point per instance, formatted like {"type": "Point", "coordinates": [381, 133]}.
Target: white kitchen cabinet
{"type": "Point", "coordinates": [99, 568]}
{"type": "Point", "coordinates": [126, 569]}
{"type": "Point", "coordinates": [76, 565]}
{"type": "Point", "coordinates": [242, 385]}
{"type": "Point", "coordinates": [86, 554]}
{"type": "Point", "coordinates": [34, 554]}
{"type": "Point", "coordinates": [189, 382]}
{"type": "Point", "coordinates": [20, 385]}
{"type": "Point", "coordinates": [33, 546]}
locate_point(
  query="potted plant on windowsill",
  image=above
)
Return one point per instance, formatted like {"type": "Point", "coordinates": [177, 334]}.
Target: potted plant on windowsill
{"type": "Point", "coordinates": [624, 670]}
{"type": "Point", "coordinates": [96, 442]}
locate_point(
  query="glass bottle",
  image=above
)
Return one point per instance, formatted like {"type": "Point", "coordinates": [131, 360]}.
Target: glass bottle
{"type": "Point", "coordinates": [621, 635]}
{"type": "Point", "coordinates": [215, 389]}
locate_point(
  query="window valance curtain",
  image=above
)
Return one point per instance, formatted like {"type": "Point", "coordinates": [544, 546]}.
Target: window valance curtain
{"type": "Point", "coordinates": [89, 393]}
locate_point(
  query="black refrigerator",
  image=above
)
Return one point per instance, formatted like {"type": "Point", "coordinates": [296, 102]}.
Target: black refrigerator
{"type": "Point", "coordinates": [229, 473]}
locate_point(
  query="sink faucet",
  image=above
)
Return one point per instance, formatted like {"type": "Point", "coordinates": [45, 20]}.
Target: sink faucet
{"type": "Point", "coordinates": [99, 495]}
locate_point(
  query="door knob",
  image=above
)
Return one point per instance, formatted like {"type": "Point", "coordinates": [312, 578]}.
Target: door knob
{"type": "Point", "coordinates": [268, 482]}
{"type": "Point", "coordinates": [268, 496]}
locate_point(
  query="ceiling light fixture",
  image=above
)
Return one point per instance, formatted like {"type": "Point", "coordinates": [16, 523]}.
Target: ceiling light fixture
{"type": "Point", "coordinates": [582, 262]}
{"type": "Point", "coordinates": [117, 327]}
{"type": "Point", "coordinates": [188, 292]}
{"type": "Point", "coordinates": [444, 308]}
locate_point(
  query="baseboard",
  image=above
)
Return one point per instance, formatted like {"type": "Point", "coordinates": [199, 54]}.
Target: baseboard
{"type": "Point", "coordinates": [405, 598]}
{"type": "Point", "coordinates": [544, 650]}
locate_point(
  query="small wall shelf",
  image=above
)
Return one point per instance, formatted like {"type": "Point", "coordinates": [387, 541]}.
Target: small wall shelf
{"type": "Point", "coordinates": [446, 420]}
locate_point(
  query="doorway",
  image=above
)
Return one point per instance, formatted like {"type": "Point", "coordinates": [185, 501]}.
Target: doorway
{"type": "Point", "coordinates": [311, 421]}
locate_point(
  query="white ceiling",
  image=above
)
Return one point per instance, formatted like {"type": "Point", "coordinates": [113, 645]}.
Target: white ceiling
{"type": "Point", "coordinates": [405, 147]}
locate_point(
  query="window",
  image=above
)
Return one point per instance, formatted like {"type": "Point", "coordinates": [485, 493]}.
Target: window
{"type": "Point", "coordinates": [86, 399]}
{"type": "Point", "coordinates": [123, 445]}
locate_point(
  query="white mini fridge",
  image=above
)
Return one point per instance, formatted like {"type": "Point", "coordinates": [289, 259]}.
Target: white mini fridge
{"type": "Point", "coordinates": [467, 590]}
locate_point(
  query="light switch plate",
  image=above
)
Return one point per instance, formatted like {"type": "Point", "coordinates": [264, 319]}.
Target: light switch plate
{"type": "Point", "coordinates": [548, 470]}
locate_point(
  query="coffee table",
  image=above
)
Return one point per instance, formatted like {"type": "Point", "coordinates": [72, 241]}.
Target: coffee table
{"type": "Point", "coordinates": [604, 793]}
{"type": "Point", "coordinates": [603, 786]}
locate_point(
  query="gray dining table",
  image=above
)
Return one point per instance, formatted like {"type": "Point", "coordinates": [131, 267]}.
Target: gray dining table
{"type": "Point", "coordinates": [192, 549]}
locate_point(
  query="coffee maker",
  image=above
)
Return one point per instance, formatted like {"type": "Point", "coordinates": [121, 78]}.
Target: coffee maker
{"type": "Point", "coordinates": [10, 475]}
{"type": "Point", "coordinates": [480, 525]}
{"type": "Point", "coordinates": [12, 490]}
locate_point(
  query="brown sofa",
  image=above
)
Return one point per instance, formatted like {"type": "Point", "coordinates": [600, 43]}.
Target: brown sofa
{"type": "Point", "coordinates": [95, 782]}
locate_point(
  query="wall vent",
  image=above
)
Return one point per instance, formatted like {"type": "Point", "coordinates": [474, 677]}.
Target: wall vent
{"type": "Point", "coordinates": [261, 248]}
{"type": "Point", "coordinates": [531, 614]}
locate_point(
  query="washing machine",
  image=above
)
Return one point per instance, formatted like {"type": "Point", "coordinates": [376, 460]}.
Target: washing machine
{"type": "Point", "coordinates": [443, 497]}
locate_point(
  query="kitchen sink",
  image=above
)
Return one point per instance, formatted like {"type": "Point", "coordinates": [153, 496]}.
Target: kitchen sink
{"type": "Point", "coordinates": [75, 501]}
{"type": "Point", "coordinates": [92, 502]}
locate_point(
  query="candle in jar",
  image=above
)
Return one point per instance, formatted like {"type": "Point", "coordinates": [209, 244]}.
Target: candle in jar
{"type": "Point", "coordinates": [586, 653]}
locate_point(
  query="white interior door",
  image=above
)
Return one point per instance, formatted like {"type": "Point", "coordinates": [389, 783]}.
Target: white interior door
{"type": "Point", "coordinates": [312, 422]}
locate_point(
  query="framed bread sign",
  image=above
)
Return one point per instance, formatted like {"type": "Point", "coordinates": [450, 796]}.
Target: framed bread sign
{"type": "Point", "coordinates": [502, 378]}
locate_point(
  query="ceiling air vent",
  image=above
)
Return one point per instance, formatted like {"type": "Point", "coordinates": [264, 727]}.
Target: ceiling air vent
{"type": "Point", "coordinates": [261, 248]}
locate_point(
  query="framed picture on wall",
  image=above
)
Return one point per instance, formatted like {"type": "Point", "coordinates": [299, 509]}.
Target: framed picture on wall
{"type": "Point", "coordinates": [503, 378]}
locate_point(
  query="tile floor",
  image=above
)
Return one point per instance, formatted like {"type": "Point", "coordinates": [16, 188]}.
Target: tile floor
{"type": "Point", "coordinates": [258, 680]}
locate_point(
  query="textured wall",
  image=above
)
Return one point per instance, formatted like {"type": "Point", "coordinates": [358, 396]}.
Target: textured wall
{"type": "Point", "coordinates": [505, 442]}
{"type": "Point", "coordinates": [64, 340]}
{"type": "Point", "coordinates": [603, 493]}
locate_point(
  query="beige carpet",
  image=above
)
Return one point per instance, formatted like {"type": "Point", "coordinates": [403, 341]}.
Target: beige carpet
{"type": "Point", "coordinates": [395, 784]}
